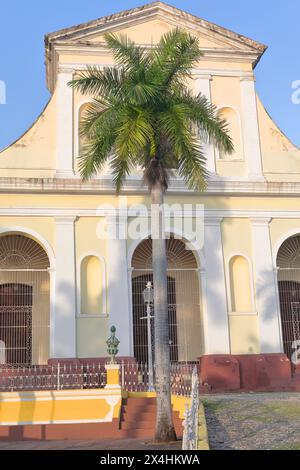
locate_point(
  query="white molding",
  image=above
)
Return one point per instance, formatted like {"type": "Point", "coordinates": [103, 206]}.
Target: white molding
{"type": "Point", "coordinates": [64, 125]}
{"type": "Point", "coordinates": [216, 319]}
{"type": "Point", "coordinates": [65, 219]}
{"type": "Point", "coordinates": [67, 215]}
{"type": "Point", "coordinates": [104, 184]}
{"type": "Point", "coordinates": [243, 314]}
{"type": "Point", "coordinates": [250, 129]}
{"type": "Point", "coordinates": [118, 289]}
{"type": "Point", "coordinates": [270, 334]}
{"type": "Point", "coordinates": [104, 312]}
{"type": "Point", "coordinates": [64, 324]}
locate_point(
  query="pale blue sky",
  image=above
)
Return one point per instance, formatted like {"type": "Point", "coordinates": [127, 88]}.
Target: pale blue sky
{"type": "Point", "coordinates": [24, 24]}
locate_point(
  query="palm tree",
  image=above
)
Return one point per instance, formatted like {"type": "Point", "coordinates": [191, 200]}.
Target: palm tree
{"type": "Point", "coordinates": [143, 114]}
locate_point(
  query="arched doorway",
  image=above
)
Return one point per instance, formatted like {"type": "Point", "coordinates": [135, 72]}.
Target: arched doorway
{"type": "Point", "coordinates": [24, 301]}
{"type": "Point", "coordinates": [185, 329]}
{"type": "Point", "coordinates": [288, 264]}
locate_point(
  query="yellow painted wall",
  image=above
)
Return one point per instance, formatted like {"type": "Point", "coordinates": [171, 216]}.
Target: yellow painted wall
{"type": "Point", "coordinates": [58, 407]}
{"type": "Point", "coordinates": [33, 154]}
{"type": "Point", "coordinates": [92, 334]}
{"type": "Point", "coordinates": [44, 226]}
{"type": "Point", "coordinates": [281, 158]}
{"type": "Point", "coordinates": [244, 334]}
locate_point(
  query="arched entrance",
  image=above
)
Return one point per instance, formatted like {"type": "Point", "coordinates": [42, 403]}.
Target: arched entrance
{"type": "Point", "coordinates": [288, 264]}
{"type": "Point", "coordinates": [185, 330]}
{"type": "Point", "coordinates": [24, 301]}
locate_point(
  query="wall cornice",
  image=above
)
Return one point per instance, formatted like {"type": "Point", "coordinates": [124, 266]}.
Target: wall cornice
{"type": "Point", "coordinates": [70, 215]}
{"type": "Point", "coordinates": [104, 185]}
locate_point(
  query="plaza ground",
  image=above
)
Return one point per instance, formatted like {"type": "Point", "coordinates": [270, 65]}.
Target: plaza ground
{"type": "Point", "coordinates": [235, 421]}
{"type": "Point", "coordinates": [269, 421]}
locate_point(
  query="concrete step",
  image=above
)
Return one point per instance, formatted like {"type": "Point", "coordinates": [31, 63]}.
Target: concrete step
{"type": "Point", "coordinates": [140, 400]}
{"type": "Point", "coordinates": [143, 433]}
{"type": "Point", "coordinates": [132, 407]}
{"type": "Point", "coordinates": [146, 424]}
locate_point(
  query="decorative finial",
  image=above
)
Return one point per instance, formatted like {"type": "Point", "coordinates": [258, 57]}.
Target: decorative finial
{"type": "Point", "coordinates": [112, 345]}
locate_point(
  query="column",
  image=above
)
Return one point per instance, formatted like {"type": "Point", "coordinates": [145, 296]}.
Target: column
{"type": "Point", "coordinates": [216, 321]}
{"type": "Point", "coordinates": [64, 321]}
{"type": "Point", "coordinates": [265, 287]}
{"type": "Point", "coordinates": [64, 123]}
{"type": "Point", "coordinates": [251, 139]}
{"type": "Point", "coordinates": [118, 285]}
{"type": "Point", "coordinates": [203, 87]}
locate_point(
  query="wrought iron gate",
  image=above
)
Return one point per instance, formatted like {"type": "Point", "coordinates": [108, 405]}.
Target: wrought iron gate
{"type": "Point", "coordinates": [185, 329]}
{"type": "Point", "coordinates": [140, 335]}
{"type": "Point", "coordinates": [289, 296]}
{"type": "Point", "coordinates": [24, 301]}
{"type": "Point", "coordinates": [15, 324]}
{"type": "Point", "coordinates": [24, 317]}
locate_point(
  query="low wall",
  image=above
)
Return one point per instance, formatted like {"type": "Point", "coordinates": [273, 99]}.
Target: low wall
{"type": "Point", "coordinates": [59, 407]}
{"type": "Point", "coordinates": [247, 372]}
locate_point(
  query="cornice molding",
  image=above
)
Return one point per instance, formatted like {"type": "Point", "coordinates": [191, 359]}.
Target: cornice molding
{"type": "Point", "coordinates": [68, 216]}
{"type": "Point", "coordinates": [133, 185]}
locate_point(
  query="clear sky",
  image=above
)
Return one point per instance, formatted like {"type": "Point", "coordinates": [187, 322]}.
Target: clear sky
{"type": "Point", "coordinates": [24, 24]}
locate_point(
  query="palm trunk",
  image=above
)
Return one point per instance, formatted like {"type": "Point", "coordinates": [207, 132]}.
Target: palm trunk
{"type": "Point", "coordinates": [165, 430]}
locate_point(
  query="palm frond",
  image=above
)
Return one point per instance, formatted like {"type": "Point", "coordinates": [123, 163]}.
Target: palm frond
{"type": "Point", "coordinates": [125, 51]}
{"type": "Point", "coordinates": [205, 115]}
{"type": "Point", "coordinates": [174, 57]}
{"type": "Point", "coordinates": [185, 146]}
{"type": "Point", "coordinates": [100, 82]}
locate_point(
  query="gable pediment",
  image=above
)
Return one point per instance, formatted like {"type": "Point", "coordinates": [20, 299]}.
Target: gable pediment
{"type": "Point", "coordinates": [145, 25]}
{"type": "Point", "coordinates": [159, 14]}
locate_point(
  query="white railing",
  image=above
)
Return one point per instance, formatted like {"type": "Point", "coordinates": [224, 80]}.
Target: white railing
{"type": "Point", "coordinates": [135, 377]}
{"type": "Point", "coordinates": [52, 377]}
{"type": "Point", "coordinates": [190, 423]}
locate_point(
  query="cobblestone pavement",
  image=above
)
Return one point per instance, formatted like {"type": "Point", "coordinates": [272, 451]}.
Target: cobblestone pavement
{"type": "Point", "coordinates": [124, 444]}
{"type": "Point", "coordinates": [253, 421]}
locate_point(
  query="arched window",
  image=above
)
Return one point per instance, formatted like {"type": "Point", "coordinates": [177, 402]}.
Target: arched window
{"type": "Point", "coordinates": [240, 285]}
{"type": "Point", "coordinates": [24, 301]}
{"type": "Point", "coordinates": [288, 266]}
{"type": "Point", "coordinates": [91, 286]}
{"type": "Point", "coordinates": [232, 118]}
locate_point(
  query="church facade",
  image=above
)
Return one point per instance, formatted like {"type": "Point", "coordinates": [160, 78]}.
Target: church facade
{"type": "Point", "coordinates": [234, 301]}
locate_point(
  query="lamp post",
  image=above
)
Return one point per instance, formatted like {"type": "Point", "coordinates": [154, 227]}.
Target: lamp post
{"type": "Point", "coordinates": [148, 300]}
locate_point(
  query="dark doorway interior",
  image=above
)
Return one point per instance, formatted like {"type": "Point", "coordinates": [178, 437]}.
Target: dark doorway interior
{"type": "Point", "coordinates": [16, 324]}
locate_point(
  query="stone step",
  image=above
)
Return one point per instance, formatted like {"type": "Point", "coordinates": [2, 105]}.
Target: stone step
{"type": "Point", "coordinates": [147, 409]}
{"type": "Point", "coordinates": [135, 420]}
{"type": "Point", "coordinates": [143, 433]}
